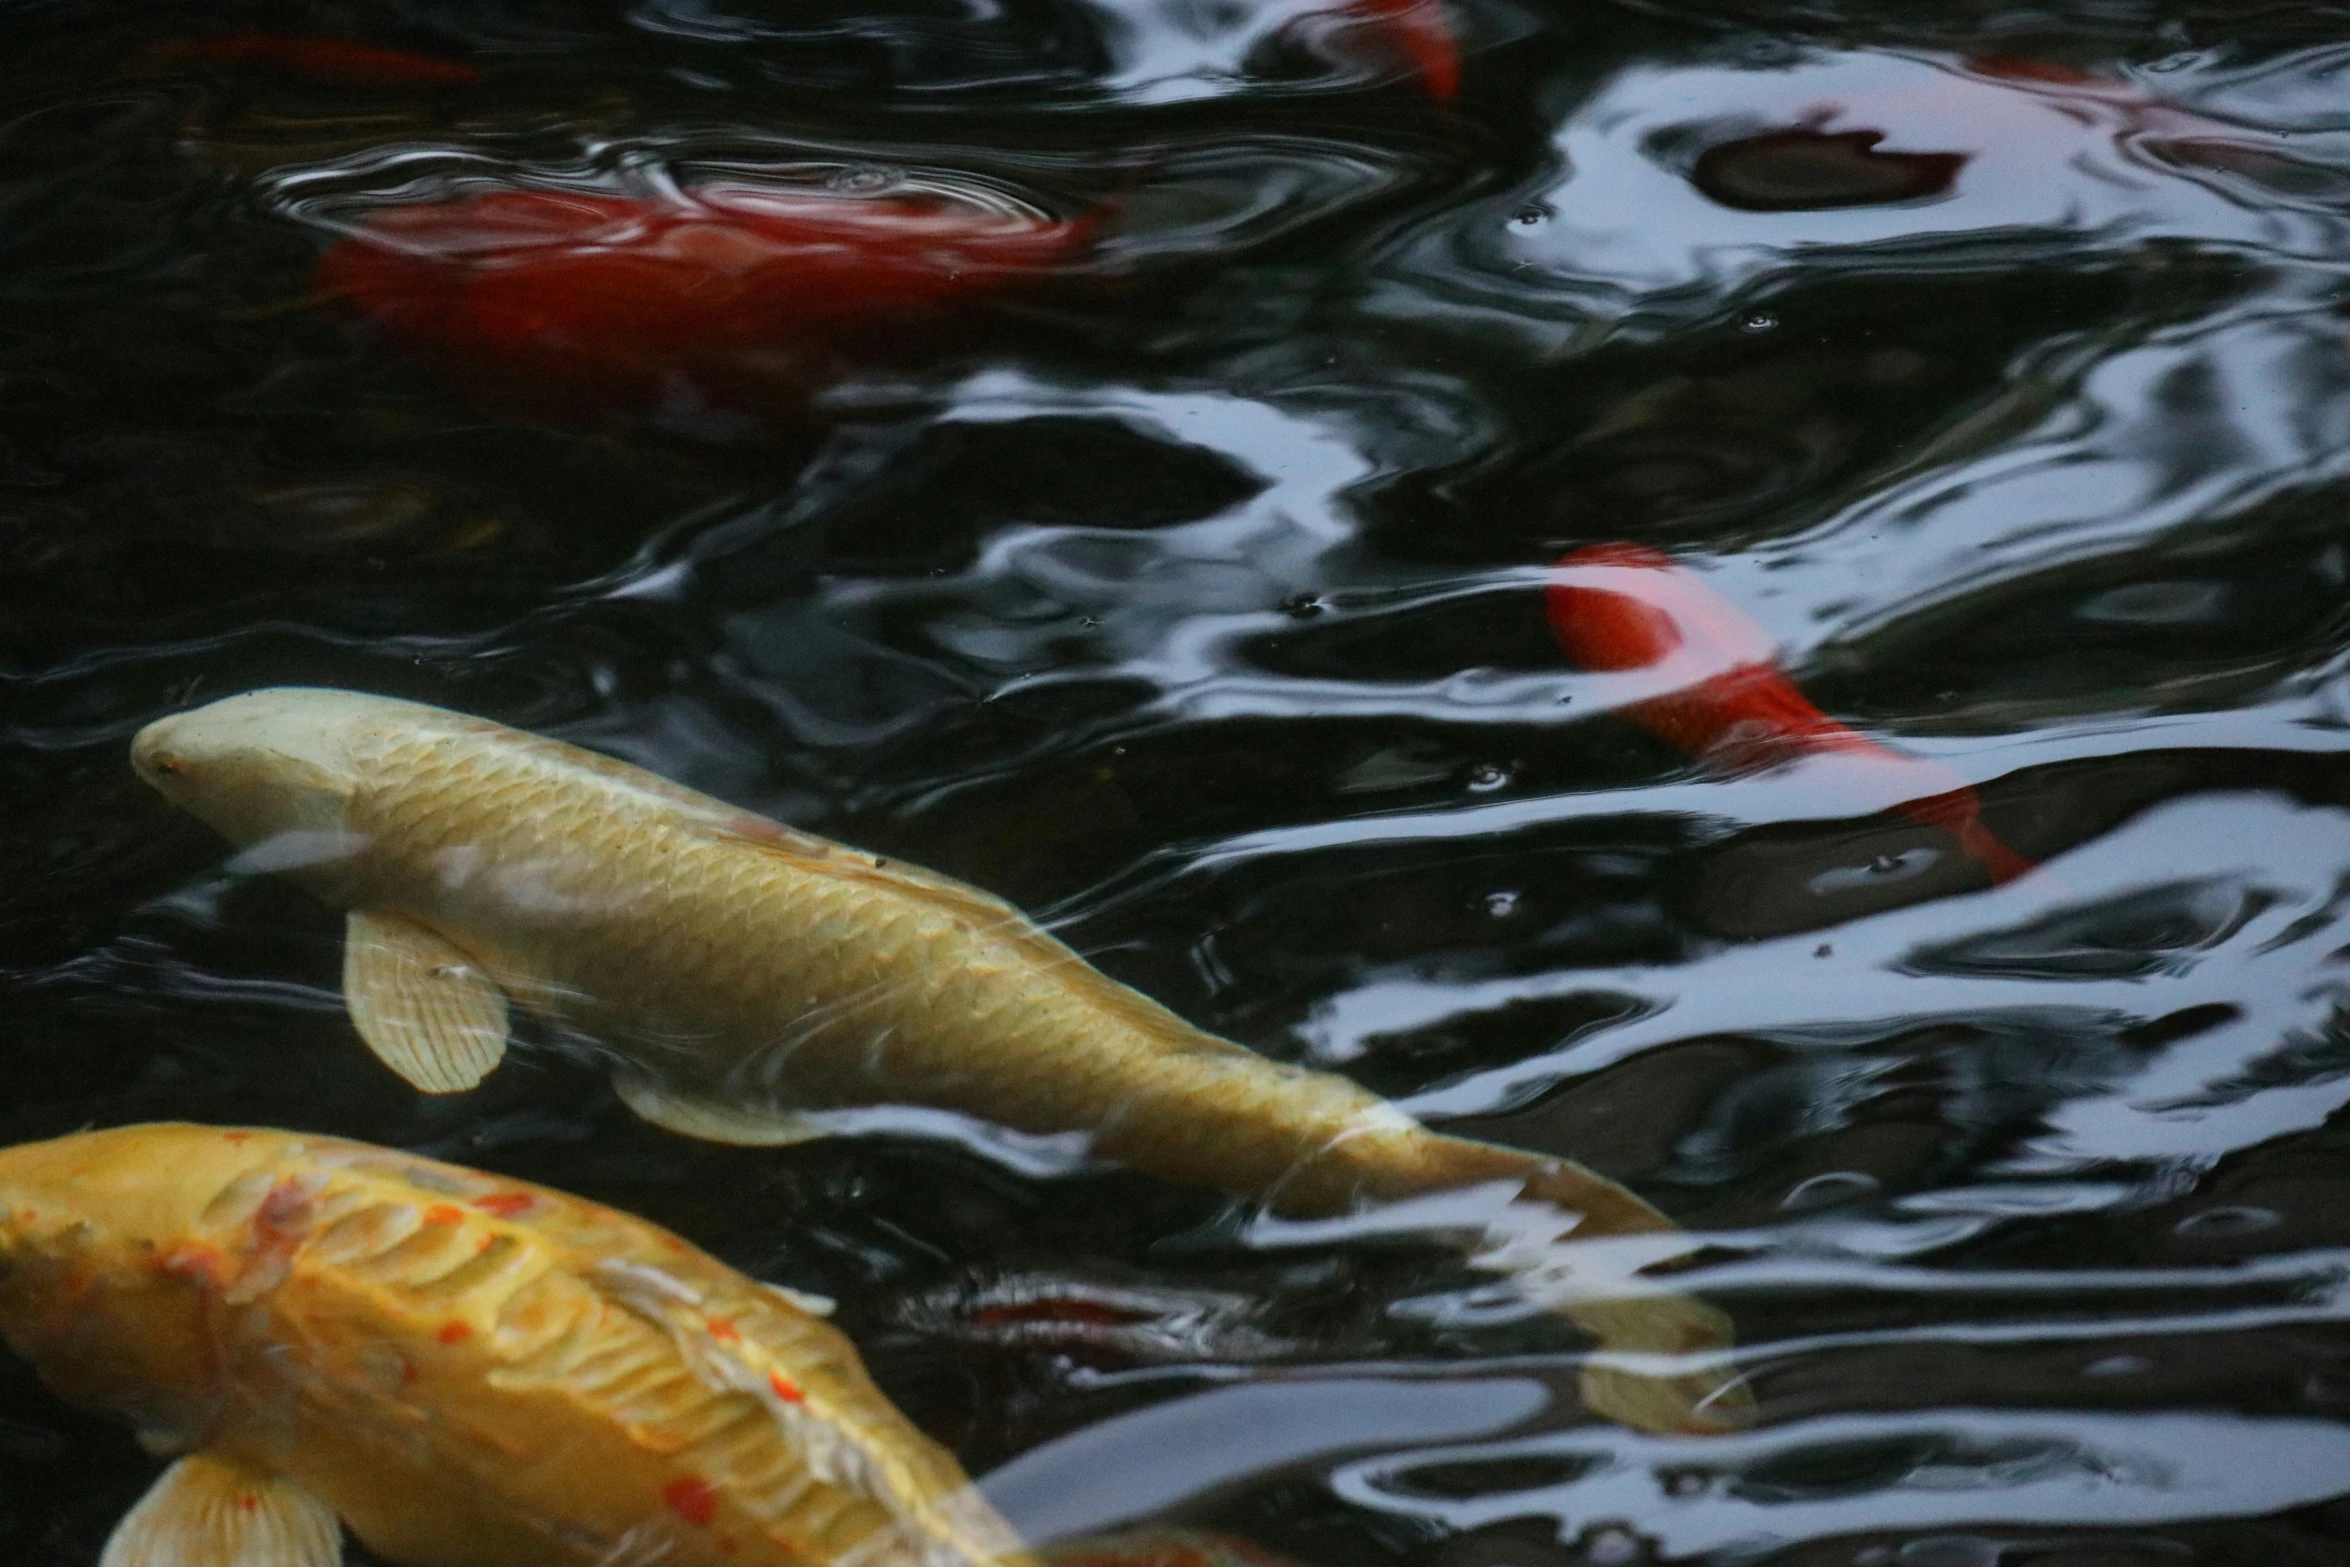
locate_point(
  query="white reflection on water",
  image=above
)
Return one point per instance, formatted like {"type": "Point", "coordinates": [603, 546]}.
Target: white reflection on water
{"type": "Point", "coordinates": [1951, 1467]}
{"type": "Point", "coordinates": [1135, 1465]}
{"type": "Point", "coordinates": [1787, 990]}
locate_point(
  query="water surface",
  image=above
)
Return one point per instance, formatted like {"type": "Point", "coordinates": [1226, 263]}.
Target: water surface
{"type": "Point", "coordinates": [1993, 358]}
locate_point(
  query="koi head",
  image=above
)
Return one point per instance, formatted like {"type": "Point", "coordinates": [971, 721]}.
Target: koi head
{"type": "Point", "coordinates": [270, 766]}
{"type": "Point", "coordinates": [107, 1283]}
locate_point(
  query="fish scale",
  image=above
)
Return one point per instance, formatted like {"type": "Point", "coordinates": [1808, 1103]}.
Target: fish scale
{"type": "Point", "coordinates": [575, 1377]}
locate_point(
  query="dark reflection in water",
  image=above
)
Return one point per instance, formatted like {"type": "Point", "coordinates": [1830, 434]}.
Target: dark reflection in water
{"type": "Point", "coordinates": [1995, 361]}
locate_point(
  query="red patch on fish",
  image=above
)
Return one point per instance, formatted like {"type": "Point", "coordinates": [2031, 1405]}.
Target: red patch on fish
{"type": "Point", "coordinates": [331, 62]}
{"type": "Point", "coordinates": [728, 296]}
{"type": "Point", "coordinates": [722, 1330]}
{"type": "Point", "coordinates": [455, 1332]}
{"type": "Point", "coordinates": [506, 1205]}
{"type": "Point", "coordinates": [784, 1389]}
{"type": "Point", "coordinates": [696, 1501]}
{"type": "Point", "coordinates": [285, 1212]}
{"type": "Point", "coordinates": [1627, 607]}
{"type": "Point", "coordinates": [444, 1213]}
{"type": "Point", "coordinates": [2019, 68]}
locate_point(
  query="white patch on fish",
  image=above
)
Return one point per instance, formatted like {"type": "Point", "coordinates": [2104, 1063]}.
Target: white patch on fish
{"type": "Point", "coordinates": [287, 851]}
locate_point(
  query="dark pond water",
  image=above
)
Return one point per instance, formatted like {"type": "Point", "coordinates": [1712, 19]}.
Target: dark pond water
{"type": "Point", "coordinates": [1992, 357]}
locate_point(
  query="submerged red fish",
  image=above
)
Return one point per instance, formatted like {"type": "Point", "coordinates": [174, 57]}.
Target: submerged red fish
{"type": "Point", "coordinates": [1626, 607]}
{"type": "Point", "coordinates": [1418, 32]}
{"type": "Point", "coordinates": [331, 62]}
{"type": "Point", "coordinates": [727, 296]}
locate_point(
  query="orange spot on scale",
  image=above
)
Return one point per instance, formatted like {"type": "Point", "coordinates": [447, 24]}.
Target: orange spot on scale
{"type": "Point", "coordinates": [506, 1205]}
{"type": "Point", "coordinates": [455, 1332]}
{"type": "Point", "coordinates": [696, 1501]}
{"type": "Point", "coordinates": [673, 1243]}
{"type": "Point", "coordinates": [200, 1263]}
{"type": "Point", "coordinates": [784, 1389]}
{"type": "Point", "coordinates": [236, 1137]}
{"type": "Point", "coordinates": [723, 1330]}
{"type": "Point", "coordinates": [248, 1502]}
{"type": "Point", "coordinates": [76, 1281]}
{"type": "Point", "coordinates": [727, 1545]}
{"type": "Point", "coordinates": [486, 1242]}
{"type": "Point", "coordinates": [444, 1213]}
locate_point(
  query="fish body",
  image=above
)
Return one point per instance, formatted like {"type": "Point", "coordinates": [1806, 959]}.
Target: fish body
{"type": "Point", "coordinates": [469, 1371]}
{"type": "Point", "coordinates": [729, 294]}
{"type": "Point", "coordinates": [1722, 698]}
{"type": "Point", "coordinates": [332, 62]}
{"type": "Point", "coordinates": [1419, 32]}
{"type": "Point", "coordinates": [752, 979]}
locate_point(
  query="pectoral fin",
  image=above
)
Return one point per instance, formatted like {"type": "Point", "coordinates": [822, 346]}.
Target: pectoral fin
{"type": "Point", "coordinates": [215, 1512]}
{"type": "Point", "coordinates": [422, 1006]}
{"type": "Point", "coordinates": [709, 1120]}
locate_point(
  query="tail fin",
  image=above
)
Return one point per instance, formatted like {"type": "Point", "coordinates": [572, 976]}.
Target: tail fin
{"type": "Point", "coordinates": [1661, 1363]}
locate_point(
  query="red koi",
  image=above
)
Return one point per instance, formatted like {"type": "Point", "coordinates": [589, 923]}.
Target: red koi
{"type": "Point", "coordinates": [565, 299]}
{"type": "Point", "coordinates": [1626, 607]}
{"type": "Point", "coordinates": [1418, 31]}
{"type": "Point", "coordinates": [331, 62]}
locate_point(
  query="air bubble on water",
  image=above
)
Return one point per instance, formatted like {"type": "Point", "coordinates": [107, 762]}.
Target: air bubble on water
{"type": "Point", "coordinates": [863, 179]}
{"type": "Point", "coordinates": [1485, 777]}
{"type": "Point", "coordinates": [2117, 1366]}
{"type": "Point", "coordinates": [1302, 606]}
{"type": "Point", "coordinates": [1830, 1188]}
{"type": "Point", "coordinates": [1611, 1545]}
{"type": "Point", "coordinates": [2220, 1223]}
{"type": "Point", "coordinates": [1757, 321]}
{"type": "Point", "coordinates": [1501, 904]}
{"type": "Point", "coordinates": [1089, 622]}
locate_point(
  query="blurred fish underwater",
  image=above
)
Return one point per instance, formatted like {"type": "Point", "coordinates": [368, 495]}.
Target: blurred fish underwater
{"type": "Point", "coordinates": [1118, 453]}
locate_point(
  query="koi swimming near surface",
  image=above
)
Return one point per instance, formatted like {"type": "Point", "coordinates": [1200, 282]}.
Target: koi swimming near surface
{"type": "Point", "coordinates": [331, 62]}
{"type": "Point", "coordinates": [468, 1371]}
{"type": "Point", "coordinates": [1723, 699]}
{"type": "Point", "coordinates": [726, 296]}
{"type": "Point", "coordinates": [1419, 33]}
{"type": "Point", "coordinates": [752, 980]}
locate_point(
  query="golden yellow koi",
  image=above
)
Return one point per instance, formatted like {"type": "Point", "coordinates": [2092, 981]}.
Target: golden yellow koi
{"type": "Point", "coordinates": [468, 1371]}
{"type": "Point", "coordinates": [752, 978]}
